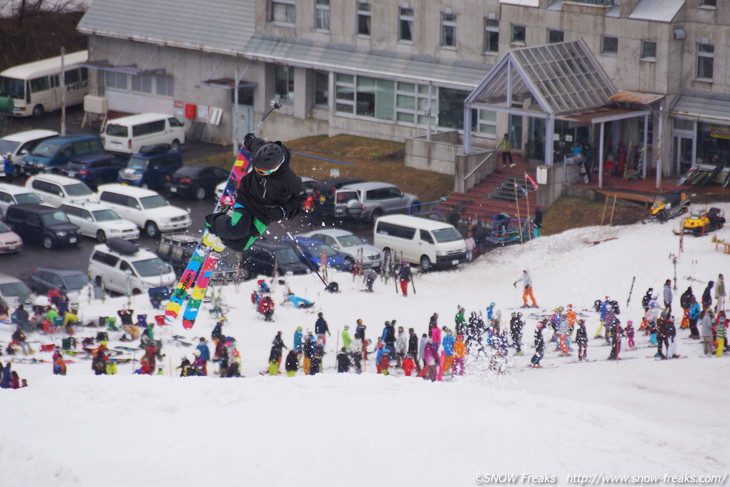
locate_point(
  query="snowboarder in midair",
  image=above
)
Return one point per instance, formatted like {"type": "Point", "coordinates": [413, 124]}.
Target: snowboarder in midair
{"type": "Point", "coordinates": [269, 192]}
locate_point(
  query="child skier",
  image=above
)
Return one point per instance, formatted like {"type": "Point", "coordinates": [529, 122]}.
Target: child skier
{"type": "Point", "coordinates": [539, 346]}
{"type": "Point", "coordinates": [629, 331]}
{"type": "Point", "coordinates": [581, 338]}
{"type": "Point", "coordinates": [269, 192]}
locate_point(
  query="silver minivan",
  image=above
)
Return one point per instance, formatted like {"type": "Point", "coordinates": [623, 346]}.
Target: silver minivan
{"type": "Point", "coordinates": [369, 201]}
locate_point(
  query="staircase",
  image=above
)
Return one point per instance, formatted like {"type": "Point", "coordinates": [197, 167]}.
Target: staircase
{"type": "Point", "coordinates": [496, 194]}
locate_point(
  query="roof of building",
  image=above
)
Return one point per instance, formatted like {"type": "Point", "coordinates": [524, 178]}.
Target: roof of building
{"type": "Point", "coordinates": [709, 107]}
{"type": "Point", "coordinates": [221, 26]}
{"type": "Point", "coordinates": [350, 60]}
{"type": "Point", "coordinates": [656, 10]}
{"type": "Point", "coordinates": [562, 78]}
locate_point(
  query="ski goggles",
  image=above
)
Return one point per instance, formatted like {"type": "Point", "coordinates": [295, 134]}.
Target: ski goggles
{"type": "Point", "coordinates": [267, 172]}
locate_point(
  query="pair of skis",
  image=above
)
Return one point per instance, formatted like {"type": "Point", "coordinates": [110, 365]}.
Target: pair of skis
{"type": "Point", "coordinates": [195, 278]}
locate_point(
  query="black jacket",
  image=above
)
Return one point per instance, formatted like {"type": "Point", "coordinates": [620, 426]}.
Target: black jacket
{"type": "Point", "coordinates": [292, 362]}
{"type": "Point", "coordinates": [413, 344]}
{"type": "Point", "coordinates": [343, 362]}
{"type": "Point", "coordinates": [320, 326]}
{"type": "Point", "coordinates": [263, 194]}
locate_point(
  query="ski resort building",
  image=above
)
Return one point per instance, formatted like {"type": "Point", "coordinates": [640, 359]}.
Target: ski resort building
{"type": "Point", "coordinates": [422, 71]}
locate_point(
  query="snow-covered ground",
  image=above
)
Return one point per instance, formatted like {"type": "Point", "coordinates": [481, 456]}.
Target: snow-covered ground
{"type": "Point", "coordinates": [640, 418]}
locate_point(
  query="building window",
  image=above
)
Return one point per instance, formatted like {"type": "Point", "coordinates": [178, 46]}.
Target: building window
{"type": "Point", "coordinates": [164, 85]}
{"type": "Point", "coordinates": [284, 83]}
{"type": "Point", "coordinates": [405, 24]}
{"type": "Point", "coordinates": [142, 83]}
{"type": "Point", "coordinates": [365, 97]}
{"type": "Point", "coordinates": [321, 89]}
{"type": "Point", "coordinates": [116, 81]}
{"type": "Point", "coordinates": [448, 29]}
{"type": "Point", "coordinates": [609, 45]}
{"type": "Point", "coordinates": [705, 61]}
{"type": "Point", "coordinates": [363, 18]}
{"type": "Point", "coordinates": [322, 15]}
{"type": "Point", "coordinates": [555, 36]}
{"type": "Point", "coordinates": [414, 105]}
{"type": "Point", "coordinates": [519, 34]}
{"type": "Point", "coordinates": [491, 35]}
{"type": "Point", "coordinates": [451, 108]}
{"type": "Point", "coordinates": [487, 123]}
{"type": "Point", "coordinates": [283, 11]}
{"type": "Point", "coordinates": [648, 50]}
{"type": "Point", "coordinates": [708, 3]}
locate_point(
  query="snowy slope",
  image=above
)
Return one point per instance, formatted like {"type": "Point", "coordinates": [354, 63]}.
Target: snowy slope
{"type": "Point", "coordinates": [634, 417]}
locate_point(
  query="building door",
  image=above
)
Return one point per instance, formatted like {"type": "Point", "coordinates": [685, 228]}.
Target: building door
{"type": "Point", "coordinates": [683, 158]}
{"type": "Point", "coordinates": [515, 131]}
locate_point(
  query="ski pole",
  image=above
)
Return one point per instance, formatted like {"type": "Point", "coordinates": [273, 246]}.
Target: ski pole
{"type": "Point", "coordinates": [326, 286]}
{"type": "Point", "coordinates": [275, 105]}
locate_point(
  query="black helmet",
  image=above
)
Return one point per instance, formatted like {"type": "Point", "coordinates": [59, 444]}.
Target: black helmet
{"type": "Point", "coordinates": [268, 159]}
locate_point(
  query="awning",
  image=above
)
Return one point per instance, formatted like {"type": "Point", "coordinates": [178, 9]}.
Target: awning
{"type": "Point", "coordinates": [656, 10]}
{"type": "Point", "coordinates": [635, 97]}
{"type": "Point", "coordinates": [126, 68]}
{"type": "Point", "coordinates": [228, 83]}
{"type": "Point", "coordinates": [710, 107]}
{"type": "Point", "coordinates": [381, 64]}
{"type": "Point", "coordinates": [604, 115]}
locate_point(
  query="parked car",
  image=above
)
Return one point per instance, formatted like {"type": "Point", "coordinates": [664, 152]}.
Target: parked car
{"type": "Point", "coordinates": [94, 169]}
{"type": "Point", "coordinates": [74, 284]}
{"type": "Point", "coordinates": [121, 266]}
{"type": "Point", "coordinates": [354, 248]}
{"type": "Point", "coordinates": [13, 291]}
{"type": "Point", "coordinates": [311, 249]}
{"type": "Point", "coordinates": [264, 256]}
{"type": "Point", "coordinates": [99, 221]}
{"type": "Point", "coordinates": [197, 180]}
{"type": "Point", "coordinates": [369, 201]}
{"type": "Point", "coordinates": [145, 208]}
{"type": "Point", "coordinates": [177, 248]}
{"type": "Point", "coordinates": [324, 196]}
{"type": "Point", "coordinates": [151, 167]}
{"type": "Point", "coordinates": [49, 226]}
{"type": "Point", "coordinates": [10, 242]}
{"type": "Point", "coordinates": [53, 153]}
{"type": "Point", "coordinates": [21, 144]}
{"type": "Point", "coordinates": [10, 195]}
{"type": "Point", "coordinates": [55, 189]}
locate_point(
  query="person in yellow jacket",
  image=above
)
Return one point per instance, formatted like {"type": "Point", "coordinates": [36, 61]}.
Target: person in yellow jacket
{"type": "Point", "coordinates": [459, 355]}
{"type": "Point", "coordinates": [505, 147]}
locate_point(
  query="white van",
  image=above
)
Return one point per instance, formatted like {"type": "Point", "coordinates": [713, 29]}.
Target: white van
{"type": "Point", "coordinates": [129, 134]}
{"type": "Point", "coordinates": [145, 208]}
{"type": "Point", "coordinates": [122, 267]}
{"type": "Point", "coordinates": [55, 189]}
{"type": "Point", "coordinates": [21, 144]}
{"type": "Point", "coordinates": [419, 241]}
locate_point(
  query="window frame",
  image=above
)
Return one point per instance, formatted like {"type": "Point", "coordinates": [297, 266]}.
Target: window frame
{"type": "Point", "coordinates": [448, 30]}
{"type": "Point", "coordinates": [643, 56]}
{"type": "Point", "coordinates": [322, 15]}
{"type": "Point", "coordinates": [606, 52]}
{"type": "Point", "coordinates": [289, 8]}
{"type": "Point", "coordinates": [363, 19]}
{"type": "Point", "coordinates": [702, 56]}
{"type": "Point", "coordinates": [515, 29]}
{"type": "Point", "coordinates": [550, 33]}
{"type": "Point", "coordinates": [287, 97]}
{"type": "Point", "coordinates": [405, 18]}
{"type": "Point", "coordinates": [490, 30]}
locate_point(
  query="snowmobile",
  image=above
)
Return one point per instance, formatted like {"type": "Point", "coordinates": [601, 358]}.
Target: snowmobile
{"type": "Point", "coordinates": [700, 223]}
{"type": "Point", "coordinates": [667, 206]}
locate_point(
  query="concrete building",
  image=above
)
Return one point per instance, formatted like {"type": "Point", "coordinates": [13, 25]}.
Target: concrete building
{"type": "Point", "coordinates": [399, 70]}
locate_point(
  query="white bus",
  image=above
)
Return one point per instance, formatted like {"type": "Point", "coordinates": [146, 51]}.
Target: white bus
{"type": "Point", "coordinates": [129, 134]}
{"type": "Point", "coordinates": [36, 87]}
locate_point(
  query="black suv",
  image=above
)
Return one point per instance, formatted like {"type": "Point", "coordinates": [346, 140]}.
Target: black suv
{"type": "Point", "coordinates": [261, 257]}
{"type": "Point", "coordinates": [324, 196]}
{"type": "Point", "coordinates": [38, 223]}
